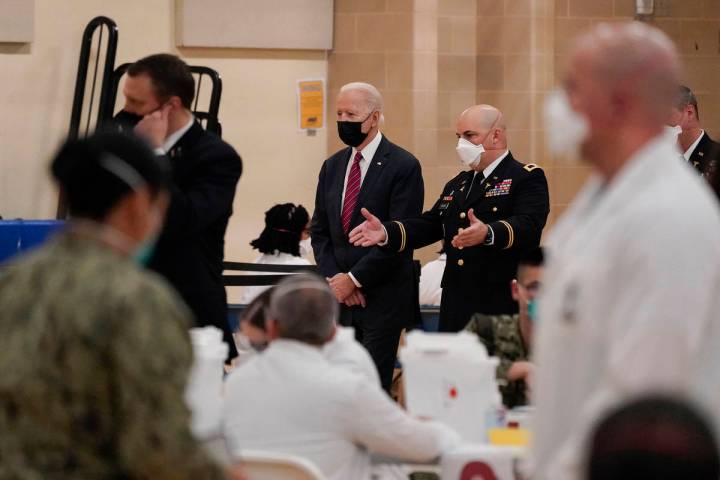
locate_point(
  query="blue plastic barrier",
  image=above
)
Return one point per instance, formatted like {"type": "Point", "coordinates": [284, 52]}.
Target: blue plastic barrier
{"type": "Point", "coordinates": [21, 235]}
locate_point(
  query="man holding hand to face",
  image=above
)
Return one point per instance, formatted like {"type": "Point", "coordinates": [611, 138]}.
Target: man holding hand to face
{"type": "Point", "coordinates": [159, 91]}
{"type": "Point", "coordinates": [377, 288]}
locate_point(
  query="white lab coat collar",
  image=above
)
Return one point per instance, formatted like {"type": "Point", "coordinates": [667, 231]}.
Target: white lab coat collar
{"type": "Point", "coordinates": [295, 347]}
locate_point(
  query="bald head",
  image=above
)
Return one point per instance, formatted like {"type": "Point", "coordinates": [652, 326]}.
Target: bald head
{"type": "Point", "coordinates": [483, 125]}
{"type": "Point", "coordinates": [622, 78]}
{"type": "Point", "coordinates": [631, 59]}
{"type": "Point", "coordinates": [481, 117]}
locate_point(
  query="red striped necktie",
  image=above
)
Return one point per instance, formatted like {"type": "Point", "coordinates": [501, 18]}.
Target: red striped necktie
{"type": "Point", "coordinates": [351, 192]}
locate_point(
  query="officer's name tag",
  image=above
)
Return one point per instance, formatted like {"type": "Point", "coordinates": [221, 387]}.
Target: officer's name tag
{"type": "Point", "coordinates": [502, 188]}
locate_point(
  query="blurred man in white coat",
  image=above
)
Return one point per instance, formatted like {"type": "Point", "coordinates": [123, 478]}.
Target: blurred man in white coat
{"type": "Point", "coordinates": [633, 283]}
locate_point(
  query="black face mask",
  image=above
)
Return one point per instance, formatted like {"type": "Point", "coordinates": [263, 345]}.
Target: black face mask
{"type": "Point", "coordinates": [125, 121]}
{"type": "Point", "coordinates": [351, 132]}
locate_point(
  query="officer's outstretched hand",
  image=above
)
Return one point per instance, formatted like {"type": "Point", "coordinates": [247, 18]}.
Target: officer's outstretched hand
{"type": "Point", "coordinates": [473, 235]}
{"type": "Point", "coordinates": [368, 233]}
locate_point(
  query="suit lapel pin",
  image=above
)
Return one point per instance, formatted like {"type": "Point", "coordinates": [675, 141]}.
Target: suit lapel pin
{"type": "Point", "coordinates": [702, 154]}
{"type": "Point", "coordinates": [379, 163]}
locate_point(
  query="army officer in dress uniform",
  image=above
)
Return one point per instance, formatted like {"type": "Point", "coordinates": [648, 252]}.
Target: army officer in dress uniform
{"type": "Point", "coordinates": [487, 217]}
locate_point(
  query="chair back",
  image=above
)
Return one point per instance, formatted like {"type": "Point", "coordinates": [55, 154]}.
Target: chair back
{"type": "Point", "coordinates": [263, 465]}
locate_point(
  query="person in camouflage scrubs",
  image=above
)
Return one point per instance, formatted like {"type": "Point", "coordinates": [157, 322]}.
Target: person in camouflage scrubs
{"type": "Point", "coordinates": [94, 350]}
{"type": "Point", "coordinates": [509, 337]}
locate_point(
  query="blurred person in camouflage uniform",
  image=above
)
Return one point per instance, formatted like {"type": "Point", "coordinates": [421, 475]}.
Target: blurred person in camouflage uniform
{"type": "Point", "coordinates": [94, 350]}
{"type": "Point", "coordinates": [509, 337]}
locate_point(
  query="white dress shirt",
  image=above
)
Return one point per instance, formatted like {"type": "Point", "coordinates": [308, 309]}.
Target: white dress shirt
{"type": "Point", "coordinates": [290, 399]}
{"type": "Point", "coordinates": [367, 153]}
{"type": "Point", "coordinates": [430, 281]}
{"type": "Point", "coordinates": [278, 258]}
{"type": "Point", "coordinates": [173, 138]}
{"type": "Point", "coordinates": [692, 147]}
{"type": "Point", "coordinates": [629, 304]}
{"type": "Point", "coordinates": [491, 168]}
{"type": "Point", "coordinates": [345, 352]}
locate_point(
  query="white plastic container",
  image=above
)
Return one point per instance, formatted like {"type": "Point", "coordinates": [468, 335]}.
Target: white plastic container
{"type": "Point", "coordinates": [482, 461]}
{"type": "Point", "coordinates": [203, 393]}
{"type": "Point", "coordinates": [449, 377]}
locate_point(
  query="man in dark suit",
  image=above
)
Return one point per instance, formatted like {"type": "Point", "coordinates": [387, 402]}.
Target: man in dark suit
{"type": "Point", "coordinates": [377, 289]}
{"type": "Point", "coordinates": [698, 148]}
{"type": "Point", "coordinates": [487, 216]}
{"type": "Point", "coordinates": [159, 90]}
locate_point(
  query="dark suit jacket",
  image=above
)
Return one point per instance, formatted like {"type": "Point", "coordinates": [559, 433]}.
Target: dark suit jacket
{"type": "Point", "coordinates": [190, 250]}
{"type": "Point", "coordinates": [706, 155]}
{"type": "Point", "coordinates": [392, 188]}
{"type": "Point", "coordinates": [514, 202]}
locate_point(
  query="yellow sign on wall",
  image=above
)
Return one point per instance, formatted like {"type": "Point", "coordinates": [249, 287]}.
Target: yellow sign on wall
{"type": "Point", "coordinates": [311, 104]}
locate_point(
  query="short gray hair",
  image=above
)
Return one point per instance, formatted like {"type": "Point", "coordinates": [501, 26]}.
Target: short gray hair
{"type": "Point", "coordinates": [304, 308]}
{"type": "Point", "coordinates": [686, 97]}
{"type": "Point", "coordinates": [372, 95]}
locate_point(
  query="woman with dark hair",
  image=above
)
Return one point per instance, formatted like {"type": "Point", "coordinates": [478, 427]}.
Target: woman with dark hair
{"type": "Point", "coordinates": [94, 349]}
{"type": "Point", "coordinates": [285, 240]}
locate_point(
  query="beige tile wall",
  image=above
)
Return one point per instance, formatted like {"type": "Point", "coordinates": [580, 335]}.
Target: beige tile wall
{"type": "Point", "coordinates": [421, 54]}
{"type": "Point", "coordinates": [433, 58]}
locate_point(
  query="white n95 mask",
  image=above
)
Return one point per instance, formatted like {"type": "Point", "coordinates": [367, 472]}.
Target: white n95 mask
{"type": "Point", "coordinates": [469, 153]}
{"type": "Point", "coordinates": [565, 129]}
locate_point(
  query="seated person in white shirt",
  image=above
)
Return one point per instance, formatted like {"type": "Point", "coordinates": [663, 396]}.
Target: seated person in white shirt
{"type": "Point", "coordinates": [285, 240]}
{"type": "Point", "coordinates": [341, 350]}
{"type": "Point", "coordinates": [431, 280]}
{"type": "Point", "coordinates": [291, 399]}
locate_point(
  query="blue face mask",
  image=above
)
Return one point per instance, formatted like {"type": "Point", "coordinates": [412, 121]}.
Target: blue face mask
{"type": "Point", "coordinates": [532, 310]}
{"type": "Point", "coordinates": [144, 253]}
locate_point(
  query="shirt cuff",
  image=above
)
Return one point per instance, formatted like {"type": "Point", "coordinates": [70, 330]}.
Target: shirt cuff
{"type": "Point", "coordinates": [159, 151]}
{"type": "Point", "coordinates": [490, 237]}
{"type": "Point", "coordinates": [384, 242]}
{"type": "Point", "coordinates": [354, 280]}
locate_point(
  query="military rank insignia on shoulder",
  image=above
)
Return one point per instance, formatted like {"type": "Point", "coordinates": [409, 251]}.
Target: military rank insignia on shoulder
{"type": "Point", "coordinates": [530, 167]}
